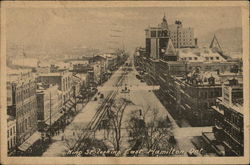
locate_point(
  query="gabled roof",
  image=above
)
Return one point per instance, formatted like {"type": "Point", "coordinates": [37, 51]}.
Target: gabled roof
{"type": "Point", "coordinates": [215, 44]}
{"type": "Point", "coordinates": [170, 50]}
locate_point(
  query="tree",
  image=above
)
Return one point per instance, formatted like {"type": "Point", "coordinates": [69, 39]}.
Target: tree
{"type": "Point", "coordinates": [115, 114]}
{"type": "Point", "coordinates": [150, 130]}
{"type": "Point", "coordinates": [78, 142]}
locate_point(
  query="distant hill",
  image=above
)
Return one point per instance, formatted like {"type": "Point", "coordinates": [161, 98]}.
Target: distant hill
{"type": "Point", "coordinates": [230, 39]}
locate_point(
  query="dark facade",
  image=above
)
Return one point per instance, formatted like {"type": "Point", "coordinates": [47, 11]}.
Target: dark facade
{"type": "Point", "coordinates": [228, 119]}
{"type": "Point", "coordinates": [157, 39]}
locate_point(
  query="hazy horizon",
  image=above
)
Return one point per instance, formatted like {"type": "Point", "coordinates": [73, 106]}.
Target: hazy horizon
{"type": "Point", "coordinates": [69, 28]}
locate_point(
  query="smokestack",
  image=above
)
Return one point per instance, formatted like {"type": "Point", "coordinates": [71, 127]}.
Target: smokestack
{"type": "Point", "coordinates": [196, 42]}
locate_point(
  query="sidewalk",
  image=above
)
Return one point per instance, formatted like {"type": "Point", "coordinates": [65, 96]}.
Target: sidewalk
{"type": "Point", "coordinates": [81, 120]}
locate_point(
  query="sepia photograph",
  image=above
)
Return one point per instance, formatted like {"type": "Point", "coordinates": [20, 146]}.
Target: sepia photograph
{"type": "Point", "coordinates": [127, 80]}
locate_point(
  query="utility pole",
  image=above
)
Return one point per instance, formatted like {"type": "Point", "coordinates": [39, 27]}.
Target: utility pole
{"type": "Point", "coordinates": [177, 36]}
{"type": "Point", "coordinates": [50, 115]}
{"type": "Point", "coordinates": [75, 97]}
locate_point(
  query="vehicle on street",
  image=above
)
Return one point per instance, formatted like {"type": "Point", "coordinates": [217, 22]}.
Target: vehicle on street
{"type": "Point", "coordinates": [138, 76]}
{"type": "Point", "coordinates": [125, 90]}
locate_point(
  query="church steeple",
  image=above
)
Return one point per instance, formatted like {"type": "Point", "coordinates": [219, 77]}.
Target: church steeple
{"type": "Point", "coordinates": [164, 23]}
{"type": "Point", "coordinates": [164, 18]}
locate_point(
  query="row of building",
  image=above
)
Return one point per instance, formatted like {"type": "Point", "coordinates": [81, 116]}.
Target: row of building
{"type": "Point", "coordinates": [192, 80]}
{"type": "Point", "coordinates": [43, 99]}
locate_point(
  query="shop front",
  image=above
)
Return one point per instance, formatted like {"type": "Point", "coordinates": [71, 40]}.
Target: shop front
{"type": "Point", "coordinates": [29, 145]}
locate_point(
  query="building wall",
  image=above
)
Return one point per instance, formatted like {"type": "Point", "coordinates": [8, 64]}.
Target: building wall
{"type": "Point", "coordinates": [228, 127]}
{"type": "Point", "coordinates": [62, 79]}
{"type": "Point", "coordinates": [148, 45]}
{"type": "Point", "coordinates": [11, 135]}
{"type": "Point", "coordinates": [234, 137]}
{"type": "Point", "coordinates": [197, 101]}
{"type": "Point", "coordinates": [190, 101]}
{"type": "Point", "coordinates": [156, 40]}
{"type": "Point", "coordinates": [50, 100]}
{"type": "Point", "coordinates": [193, 102]}
{"type": "Point", "coordinates": [80, 68]}
{"type": "Point", "coordinates": [182, 37]}
{"type": "Point", "coordinates": [9, 94]}
{"type": "Point", "coordinates": [25, 107]}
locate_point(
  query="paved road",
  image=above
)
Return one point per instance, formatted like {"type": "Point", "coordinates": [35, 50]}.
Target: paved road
{"type": "Point", "coordinates": [59, 147]}
{"type": "Point", "coordinates": [142, 96]}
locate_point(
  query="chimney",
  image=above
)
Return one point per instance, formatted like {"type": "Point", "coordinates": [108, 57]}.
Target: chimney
{"type": "Point", "coordinates": [196, 42]}
{"type": "Point", "coordinates": [218, 71]}
{"type": "Point", "coordinates": [211, 80]}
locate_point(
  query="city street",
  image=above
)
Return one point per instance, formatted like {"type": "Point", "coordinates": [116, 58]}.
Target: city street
{"type": "Point", "coordinates": [81, 121]}
{"type": "Point", "coordinates": [123, 81]}
{"type": "Point", "coordinates": [142, 97]}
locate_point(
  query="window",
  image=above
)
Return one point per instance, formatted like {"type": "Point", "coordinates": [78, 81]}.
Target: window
{"type": "Point", "coordinates": [205, 105]}
{"type": "Point", "coordinates": [21, 127]}
{"type": "Point", "coordinates": [190, 58]}
{"type": "Point", "coordinates": [26, 124]}
{"type": "Point", "coordinates": [195, 58]}
{"type": "Point", "coordinates": [211, 58]}
{"type": "Point", "coordinates": [201, 94]}
{"type": "Point", "coordinates": [205, 94]}
{"type": "Point", "coordinates": [217, 94]}
{"type": "Point", "coordinates": [217, 58]}
{"type": "Point", "coordinates": [14, 139]}
{"type": "Point", "coordinates": [211, 94]}
{"type": "Point", "coordinates": [8, 133]}
{"type": "Point", "coordinates": [207, 58]}
{"type": "Point", "coordinates": [8, 144]}
{"type": "Point", "coordinates": [29, 121]}
{"type": "Point", "coordinates": [153, 33]}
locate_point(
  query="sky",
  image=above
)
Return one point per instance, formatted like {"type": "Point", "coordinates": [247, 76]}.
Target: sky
{"type": "Point", "coordinates": [71, 28]}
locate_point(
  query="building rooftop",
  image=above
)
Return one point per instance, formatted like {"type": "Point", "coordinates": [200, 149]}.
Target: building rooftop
{"type": "Point", "coordinates": [56, 73]}
{"type": "Point", "coordinates": [199, 55]}
{"type": "Point", "coordinates": [18, 74]}
{"type": "Point", "coordinates": [200, 78]}
{"type": "Point", "coordinates": [41, 87]}
{"type": "Point", "coordinates": [236, 107]}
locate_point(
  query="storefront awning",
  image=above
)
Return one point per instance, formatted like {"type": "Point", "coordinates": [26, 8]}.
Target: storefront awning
{"type": "Point", "coordinates": [30, 141]}
{"type": "Point", "coordinates": [54, 118]}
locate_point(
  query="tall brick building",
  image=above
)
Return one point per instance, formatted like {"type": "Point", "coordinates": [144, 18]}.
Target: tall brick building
{"type": "Point", "coordinates": [182, 37]}
{"type": "Point", "coordinates": [22, 104]}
